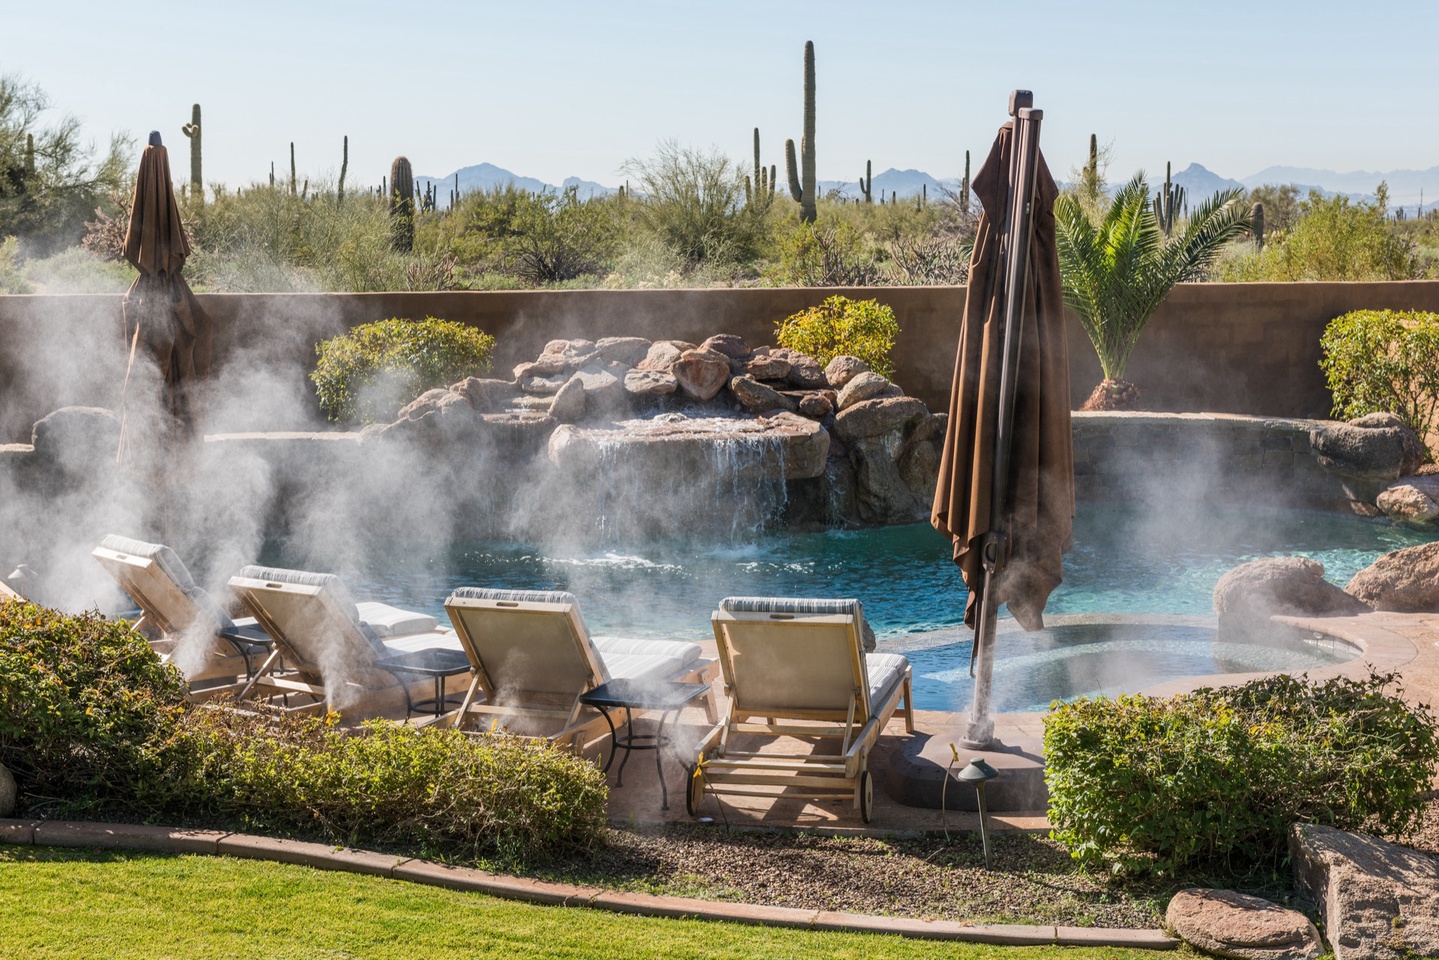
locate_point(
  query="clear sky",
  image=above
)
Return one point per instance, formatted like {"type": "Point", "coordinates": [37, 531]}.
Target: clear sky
{"type": "Point", "coordinates": [555, 88]}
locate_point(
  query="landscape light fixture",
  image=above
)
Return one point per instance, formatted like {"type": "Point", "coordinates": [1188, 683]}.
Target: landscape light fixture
{"type": "Point", "coordinates": [979, 773]}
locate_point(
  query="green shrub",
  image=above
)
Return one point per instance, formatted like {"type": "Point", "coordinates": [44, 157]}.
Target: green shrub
{"type": "Point", "coordinates": [85, 706]}
{"type": "Point", "coordinates": [1217, 776]}
{"type": "Point", "coordinates": [436, 790]}
{"type": "Point", "coordinates": [1383, 360]}
{"type": "Point", "coordinates": [91, 720]}
{"type": "Point", "coordinates": [376, 368]}
{"type": "Point", "coordinates": [860, 328]}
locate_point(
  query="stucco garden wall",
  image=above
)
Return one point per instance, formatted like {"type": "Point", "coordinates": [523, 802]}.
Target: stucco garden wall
{"type": "Point", "coordinates": [1224, 348]}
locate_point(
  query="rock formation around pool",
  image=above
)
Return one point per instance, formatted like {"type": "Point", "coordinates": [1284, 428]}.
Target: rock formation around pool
{"type": "Point", "coordinates": [1248, 595]}
{"type": "Point", "coordinates": [1405, 581]}
{"type": "Point", "coordinates": [852, 447]}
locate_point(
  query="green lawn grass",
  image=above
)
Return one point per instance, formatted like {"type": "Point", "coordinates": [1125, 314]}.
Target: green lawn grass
{"type": "Point", "coordinates": [70, 903]}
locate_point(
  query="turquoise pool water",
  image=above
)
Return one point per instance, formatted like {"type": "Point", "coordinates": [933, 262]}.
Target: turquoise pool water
{"type": "Point", "coordinates": [1121, 563]}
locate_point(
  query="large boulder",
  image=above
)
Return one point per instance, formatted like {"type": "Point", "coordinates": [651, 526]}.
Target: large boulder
{"type": "Point", "coordinates": [568, 405]}
{"type": "Point", "coordinates": [566, 356]}
{"type": "Point", "coordinates": [604, 387]}
{"type": "Point", "coordinates": [701, 374]}
{"type": "Point", "coordinates": [76, 440]}
{"type": "Point", "coordinates": [881, 494]}
{"type": "Point", "coordinates": [1377, 900]}
{"type": "Point", "coordinates": [766, 366]}
{"type": "Point", "coordinates": [9, 793]}
{"type": "Point", "coordinates": [1410, 499]}
{"type": "Point", "coordinates": [650, 383]}
{"type": "Point", "coordinates": [487, 396]}
{"type": "Point", "coordinates": [1247, 596]}
{"type": "Point", "coordinates": [1231, 924]}
{"type": "Point", "coordinates": [804, 370]}
{"type": "Point", "coordinates": [626, 350]}
{"type": "Point", "coordinates": [1405, 581]}
{"type": "Point", "coordinates": [877, 417]}
{"type": "Point", "coordinates": [865, 386]}
{"type": "Point", "coordinates": [728, 345]}
{"type": "Point", "coordinates": [544, 385]}
{"type": "Point", "coordinates": [431, 401]}
{"type": "Point", "coordinates": [1369, 452]}
{"type": "Point", "coordinates": [662, 354]}
{"type": "Point", "coordinates": [784, 445]}
{"type": "Point", "coordinates": [758, 398]}
{"type": "Point", "coordinates": [842, 369]}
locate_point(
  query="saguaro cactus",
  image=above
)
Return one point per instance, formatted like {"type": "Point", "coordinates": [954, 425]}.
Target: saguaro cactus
{"type": "Point", "coordinates": [1256, 216]}
{"type": "Point", "coordinates": [29, 157]}
{"type": "Point", "coordinates": [192, 130]}
{"type": "Point", "coordinates": [402, 204]}
{"type": "Point", "coordinates": [801, 180]}
{"type": "Point", "coordinates": [1168, 202]}
{"type": "Point", "coordinates": [964, 187]}
{"type": "Point", "coordinates": [293, 186]}
{"type": "Point", "coordinates": [759, 187]}
{"type": "Point", "coordinates": [344, 168]}
{"type": "Point", "coordinates": [866, 182]}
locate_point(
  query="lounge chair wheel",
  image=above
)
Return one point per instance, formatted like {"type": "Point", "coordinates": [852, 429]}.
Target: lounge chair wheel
{"type": "Point", "coordinates": [694, 791]}
{"type": "Point", "coordinates": [866, 796]}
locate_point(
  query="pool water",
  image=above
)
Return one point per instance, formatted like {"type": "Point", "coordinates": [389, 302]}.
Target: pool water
{"type": "Point", "coordinates": [1073, 660]}
{"type": "Point", "coordinates": [1122, 562]}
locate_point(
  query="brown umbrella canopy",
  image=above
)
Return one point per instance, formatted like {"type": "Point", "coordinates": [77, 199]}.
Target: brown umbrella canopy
{"type": "Point", "coordinates": [1040, 498]}
{"type": "Point", "coordinates": [159, 310]}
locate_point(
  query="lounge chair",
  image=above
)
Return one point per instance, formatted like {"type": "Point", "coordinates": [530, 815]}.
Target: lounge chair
{"type": "Point", "coordinates": [338, 652]}
{"type": "Point", "coordinates": [7, 594]}
{"type": "Point", "coordinates": [189, 625]}
{"type": "Point", "coordinates": [796, 668]}
{"type": "Point", "coordinates": [533, 658]}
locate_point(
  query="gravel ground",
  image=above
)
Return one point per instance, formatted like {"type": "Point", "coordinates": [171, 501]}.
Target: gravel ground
{"type": "Point", "coordinates": [1034, 879]}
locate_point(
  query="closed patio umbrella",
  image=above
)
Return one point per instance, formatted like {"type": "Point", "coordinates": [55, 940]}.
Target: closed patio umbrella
{"type": "Point", "coordinates": [159, 310]}
{"type": "Point", "coordinates": [1006, 479]}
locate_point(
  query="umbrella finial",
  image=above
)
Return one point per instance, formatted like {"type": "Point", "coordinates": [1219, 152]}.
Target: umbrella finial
{"type": "Point", "coordinates": [155, 139]}
{"type": "Point", "coordinates": [1020, 100]}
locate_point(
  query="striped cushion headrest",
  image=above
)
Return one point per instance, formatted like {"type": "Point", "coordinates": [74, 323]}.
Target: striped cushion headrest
{"type": "Point", "coordinates": [327, 583]}
{"type": "Point", "coordinates": [794, 605]}
{"type": "Point", "coordinates": [516, 596]}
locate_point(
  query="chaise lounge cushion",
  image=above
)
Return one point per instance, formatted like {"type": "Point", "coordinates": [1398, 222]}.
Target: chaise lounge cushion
{"type": "Point", "coordinates": [627, 659]}
{"type": "Point", "coordinates": [173, 567]}
{"type": "Point", "coordinates": [328, 585]}
{"type": "Point", "coordinates": [885, 670]}
{"type": "Point", "coordinates": [622, 658]}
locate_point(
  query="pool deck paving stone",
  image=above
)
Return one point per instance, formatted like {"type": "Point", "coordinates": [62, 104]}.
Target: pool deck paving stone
{"type": "Point", "coordinates": [110, 836]}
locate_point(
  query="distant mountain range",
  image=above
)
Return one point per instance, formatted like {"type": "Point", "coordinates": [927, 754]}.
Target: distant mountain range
{"type": "Point", "coordinates": [487, 176]}
{"type": "Point", "coordinates": [1406, 187]}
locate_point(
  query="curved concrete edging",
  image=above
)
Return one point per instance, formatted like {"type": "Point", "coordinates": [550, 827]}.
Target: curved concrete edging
{"type": "Point", "coordinates": [116, 836]}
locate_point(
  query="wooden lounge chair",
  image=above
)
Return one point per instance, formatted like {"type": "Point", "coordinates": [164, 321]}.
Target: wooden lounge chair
{"type": "Point", "coordinates": [796, 668]}
{"type": "Point", "coordinates": [332, 652]}
{"type": "Point", "coordinates": [182, 618]}
{"type": "Point", "coordinates": [533, 658]}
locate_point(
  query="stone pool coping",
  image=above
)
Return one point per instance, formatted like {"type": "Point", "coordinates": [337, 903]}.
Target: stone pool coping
{"type": "Point", "coordinates": [321, 856]}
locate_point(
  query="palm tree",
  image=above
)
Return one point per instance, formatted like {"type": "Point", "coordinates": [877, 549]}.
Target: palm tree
{"type": "Point", "coordinates": [1117, 273]}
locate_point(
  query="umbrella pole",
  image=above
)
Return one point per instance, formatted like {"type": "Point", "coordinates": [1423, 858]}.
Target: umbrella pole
{"type": "Point", "coordinates": [1018, 235]}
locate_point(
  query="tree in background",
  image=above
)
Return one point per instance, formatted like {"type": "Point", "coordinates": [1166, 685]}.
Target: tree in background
{"type": "Point", "coordinates": [1117, 271]}
{"type": "Point", "coordinates": [694, 203]}
{"type": "Point", "coordinates": [1330, 238]}
{"type": "Point", "coordinates": [50, 183]}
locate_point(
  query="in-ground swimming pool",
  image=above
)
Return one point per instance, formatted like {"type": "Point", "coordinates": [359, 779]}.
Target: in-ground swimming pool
{"type": "Point", "coordinates": [1121, 563]}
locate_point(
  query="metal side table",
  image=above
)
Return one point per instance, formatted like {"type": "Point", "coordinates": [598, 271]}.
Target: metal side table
{"type": "Point", "coordinates": [666, 697]}
{"type": "Point", "coordinates": [437, 664]}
